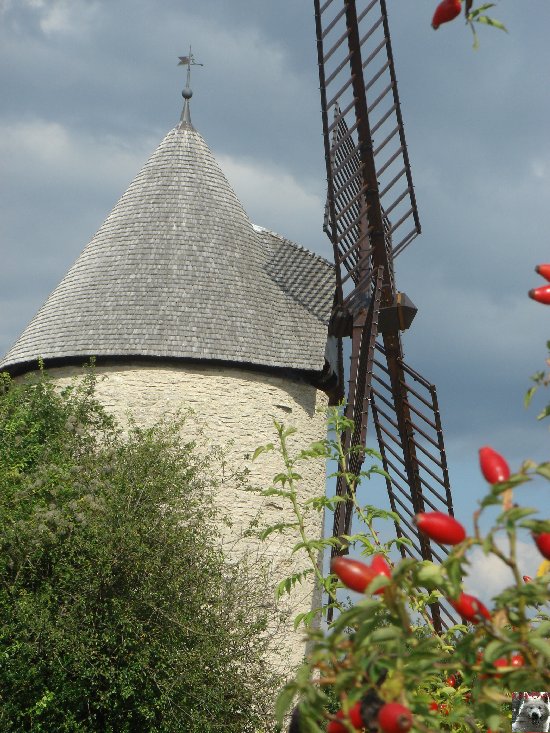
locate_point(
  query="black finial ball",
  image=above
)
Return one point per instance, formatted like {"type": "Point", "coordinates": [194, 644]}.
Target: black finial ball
{"type": "Point", "coordinates": [187, 93]}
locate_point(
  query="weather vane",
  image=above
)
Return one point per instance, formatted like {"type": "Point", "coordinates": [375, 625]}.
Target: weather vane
{"type": "Point", "coordinates": [188, 61]}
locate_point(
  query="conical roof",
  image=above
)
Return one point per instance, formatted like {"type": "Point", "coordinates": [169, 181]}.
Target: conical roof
{"type": "Point", "coordinates": [177, 270]}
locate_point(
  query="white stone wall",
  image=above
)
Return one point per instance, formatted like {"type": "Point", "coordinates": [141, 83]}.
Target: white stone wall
{"type": "Point", "coordinates": [235, 410]}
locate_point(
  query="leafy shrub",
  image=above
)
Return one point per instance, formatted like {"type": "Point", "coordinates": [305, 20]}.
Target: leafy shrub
{"type": "Point", "coordinates": [384, 649]}
{"type": "Point", "coordinates": [119, 611]}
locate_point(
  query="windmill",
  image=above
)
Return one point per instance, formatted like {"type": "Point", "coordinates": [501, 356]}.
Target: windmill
{"type": "Point", "coordinates": [371, 216]}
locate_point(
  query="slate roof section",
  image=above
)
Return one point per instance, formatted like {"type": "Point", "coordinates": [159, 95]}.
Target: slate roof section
{"type": "Point", "coordinates": [178, 271]}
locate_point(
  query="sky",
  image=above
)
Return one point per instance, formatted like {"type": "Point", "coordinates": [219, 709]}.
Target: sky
{"type": "Point", "coordinates": [90, 87]}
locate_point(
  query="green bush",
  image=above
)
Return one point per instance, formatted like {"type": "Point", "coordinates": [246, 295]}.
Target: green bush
{"type": "Point", "coordinates": [119, 612]}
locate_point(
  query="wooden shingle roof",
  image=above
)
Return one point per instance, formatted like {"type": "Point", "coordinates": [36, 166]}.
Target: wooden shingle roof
{"type": "Point", "coordinates": [177, 270]}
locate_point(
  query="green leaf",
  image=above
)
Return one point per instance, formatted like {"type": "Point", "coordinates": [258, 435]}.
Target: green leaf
{"type": "Point", "coordinates": [286, 585]}
{"type": "Point", "coordinates": [377, 470]}
{"type": "Point", "coordinates": [319, 449]}
{"type": "Point", "coordinates": [308, 618]}
{"type": "Point", "coordinates": [486, 20]}
{"type": "Point", "coordinates": [494, 721]}
{"type": "Point", "coordinates": [541, 645]}
{"type": "Point", "coordinates": [454, 571]}
{"type": "Point", "coordinates": [398, 541]}
{"type": "Point", "coordinates": [283, 702]}
{"type": "Point", "coordinates": [536, 525]}
{"type": "Point", "coordinates": [489, 500]}
{"type": "Point", "coordinates": [543, 629]}
{"type": "Point", "coordinates": [496, 649]}
{"type": "Point", "coordinates": [387, 633]}
{"type": "Point", "coordinates": [543, 469]}
{"type": "Point", "coordinates": [429, 574]}
{"type": "Point", "coordinates": [515, 480]}
{"type": "Point", "coordinates": [277, 528]}
{"type": "Point", "coordinates": [512, 515]}
{"type": "Point", "coordinates": [380, 581]}
{"type": "Point", "coordinates": [350, 538]}
{"type": "Point", "coordinates": [262, 449]}
{"type": "Point", "coordinates": [529, 396]}
{"type": "Point", "coordinates": [270, 492]}
{"type": "Point", "coordinates": [375, 513]}
{"type": "Point", "coordinates": [312, 545]}
{"type": "Point", "coordinates": [325, 502]}
{"type": "Point", "coordinates": [482, 8]}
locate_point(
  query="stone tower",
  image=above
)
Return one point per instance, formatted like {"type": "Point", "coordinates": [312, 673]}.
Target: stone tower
{"type": "Point", "coordinates": [184, 303]}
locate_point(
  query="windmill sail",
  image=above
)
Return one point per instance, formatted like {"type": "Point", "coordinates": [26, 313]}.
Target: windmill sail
{"type": "Point", "coordinates": [359, 96]}
{"type": "Point", "coordinates": [371, 216]}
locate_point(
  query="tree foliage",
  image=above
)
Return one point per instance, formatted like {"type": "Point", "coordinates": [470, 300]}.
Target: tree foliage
{"type": "Point", "coordinates": [119, 612]}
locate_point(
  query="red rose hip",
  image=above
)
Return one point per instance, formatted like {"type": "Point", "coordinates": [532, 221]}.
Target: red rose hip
{"type": "Point", "coordinates": [541, 294]}
{"type": "Point", "coordinates": [470, 608]}
{"type": "Point", "coordinates": [493, 466]}
{"type": "Point", "coordinates": [354, 574]}
{"type": "Point", "coordinates": [543, 270]}
{"type": "Point", "coordinates": [446, 10]}
{"type": "Point", "coordinates": [380, 566]}
{"type": "Point", "coordinates": [354, 716]}
{"type": "Point", "coordinates": [335, 726]}
{"type": "Point", "coordinates": [440, 527]}
{"type": "Point", "coordinates": [395, 718]}
{"type": "Point", "coordinates": [542, 541]}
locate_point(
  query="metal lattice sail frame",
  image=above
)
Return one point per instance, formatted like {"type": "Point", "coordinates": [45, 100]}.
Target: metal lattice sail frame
{"type": "Point", "coordinates": [371, 216]}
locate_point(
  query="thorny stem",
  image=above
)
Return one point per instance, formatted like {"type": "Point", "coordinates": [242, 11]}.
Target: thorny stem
{"type": "Point", "coordinates": [289, 465]}
{"type": "Point", "coordinates": [477, 515]}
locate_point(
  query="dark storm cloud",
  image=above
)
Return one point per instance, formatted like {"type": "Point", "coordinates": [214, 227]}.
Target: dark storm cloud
{"type": "Point", "coordinates": [90, 87]}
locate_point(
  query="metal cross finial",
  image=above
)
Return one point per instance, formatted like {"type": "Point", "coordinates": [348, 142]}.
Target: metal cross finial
{"type": "Point", "coordinates": [188, 61]}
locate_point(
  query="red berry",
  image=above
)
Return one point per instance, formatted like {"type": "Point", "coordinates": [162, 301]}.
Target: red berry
{"type": "Point", "coordinates": [441, 527]}
{"type": "Point", "coordinates": [470, 608]}
{"type": "Point", "coordinates": [500, 663]}
{"type": "Point", "coordinates": [335, 726]}
{"type": "Point", "coordinates": [527, 579]}
{"type": "Point", "coordinates": [468, 697]}
{"type": "Point", "coordinates": [541, 294]}
{"type": "Point", "coordinates": [493, 466]}
{"type": "Point", "coordinates": [395, 718]}
{"type": "Point", "coordinates": [439, 706]}
{"type": "Point", "coordinates": [516, 661]}
{"type": "Point", "coordinates": [543, 270]}
{"type": "Point", "coordinates": [354, 716]}
{"type": "Point", "coordinates": [452, 680]}
{"type": "Point", "coordinates": [353, 573]}
{"type": "Point", "coordinates": [380, 566]}
{"type": "Point", "coordinates": [446, 11]}
{"type": "Point", "coordinates": [542, 541]}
